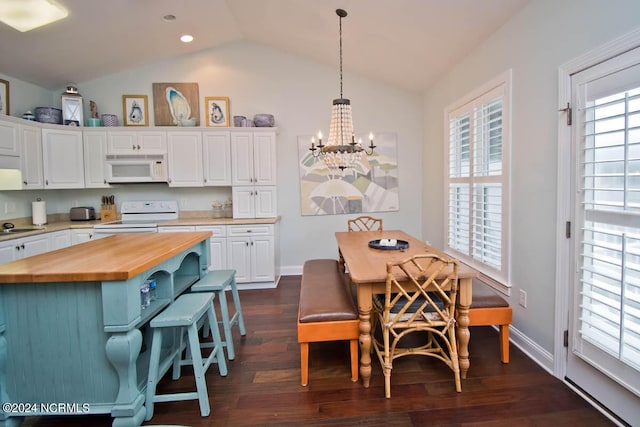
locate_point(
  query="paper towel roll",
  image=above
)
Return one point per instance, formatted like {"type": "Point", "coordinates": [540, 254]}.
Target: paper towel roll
{"type": "Point", "coordinates": [39, 212]}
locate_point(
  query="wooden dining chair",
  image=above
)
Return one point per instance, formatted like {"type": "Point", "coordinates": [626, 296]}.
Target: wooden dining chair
{"type": "Point", "coordinates": [364, 223]}
{"type": "Point", "coordinates": [361, 223]}
{"type": "Point", "coordinates": [420, 296]}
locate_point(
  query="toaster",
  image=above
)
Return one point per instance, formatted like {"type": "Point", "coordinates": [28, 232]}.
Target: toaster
{"type": "Point", "coordinates": [82, 214]}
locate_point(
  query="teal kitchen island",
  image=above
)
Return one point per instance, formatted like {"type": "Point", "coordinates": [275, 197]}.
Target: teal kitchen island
{"type": "Point", "coordinates": [73, 333]}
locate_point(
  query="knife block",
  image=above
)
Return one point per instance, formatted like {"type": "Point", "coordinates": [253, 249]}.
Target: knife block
{"type": "Point", "coordinates": [107, 213]}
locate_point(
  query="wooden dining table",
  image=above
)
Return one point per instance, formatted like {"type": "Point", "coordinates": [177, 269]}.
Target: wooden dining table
{"type": "Point", "coordinates": [367, 268]}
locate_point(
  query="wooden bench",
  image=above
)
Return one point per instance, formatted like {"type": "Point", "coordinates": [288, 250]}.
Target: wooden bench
{"type": "Point", "coordinates": [489, 309]}
{"type": "Point", "coordinates": [326, 312]}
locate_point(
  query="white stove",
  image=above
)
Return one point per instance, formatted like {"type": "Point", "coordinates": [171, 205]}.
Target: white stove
{"type": "Point", "coordinates": [140, 217]}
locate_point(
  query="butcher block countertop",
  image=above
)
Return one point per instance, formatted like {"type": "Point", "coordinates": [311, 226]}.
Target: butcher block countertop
{"type": "Point", "coordinates": [117, 257]}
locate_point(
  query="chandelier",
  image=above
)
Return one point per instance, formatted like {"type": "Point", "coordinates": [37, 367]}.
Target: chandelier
{"type": "Point", "coordinates": [341, 150]}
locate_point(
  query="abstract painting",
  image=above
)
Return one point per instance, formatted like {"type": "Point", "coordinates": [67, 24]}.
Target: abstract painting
{"type": "Point", "coordinates": [176, 104]}
{"type": "Point", "coordinates": [371, 186]}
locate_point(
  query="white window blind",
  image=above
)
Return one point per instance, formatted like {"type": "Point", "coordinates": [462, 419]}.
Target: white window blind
{"type": "Point", "coordinates": [477, 184]}
{"type": "Point", "coordinates": [610, 248]}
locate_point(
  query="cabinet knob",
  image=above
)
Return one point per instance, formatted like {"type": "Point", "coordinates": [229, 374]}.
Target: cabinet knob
{"type": "Point", "coordinates": [138, 147]}
{"type": "Point", "coordinates": [17, 247]}
{"type": "Point", "coordinates": [22, 246]}
{"type": "Point", "coordinates": [46, 182]}
{"type": "Point", "coordinates": [24, 182]}
{"type": "Point", "coordinates": [133, 147]}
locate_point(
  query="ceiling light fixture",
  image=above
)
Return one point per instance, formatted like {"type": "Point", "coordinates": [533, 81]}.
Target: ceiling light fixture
{"type": "Point", "coordinates": [341, 150]}
{"type": "Point", "coordinates": [187, 38]}
{"type": "Point", "coordinates": [25, 15]}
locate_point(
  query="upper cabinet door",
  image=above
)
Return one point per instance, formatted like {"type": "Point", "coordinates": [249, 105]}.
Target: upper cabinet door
{"type": "Point", "coordinates": [264, 158]}
{"type": "Point", "coordinates": [32, 169]}
{"type": "Point", "coordinates": [242, 158]}
{"type": "Point", "coordinates": [253, 157]}
{"type": "Point", "coordinates": [152, 142]}
{"type": "Point", "coordinates": [95, 151]}
{"type": "Point", "coordinates": [122, 142]}
{"type": "Point", "coordinates": [185, 159]}
{"type": "Point", "coordinates": [216, 154]}
{"type": "Point", "coordinates": [9, 145]}
{"type": "Point", "coordinates": [63, 159]}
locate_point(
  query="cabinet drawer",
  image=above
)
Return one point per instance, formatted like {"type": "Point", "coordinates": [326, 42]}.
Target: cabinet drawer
{"type": "Point", "coordinates": [216, 230]}
{"type": "Point", "coordinates": [176, 228]}
{"type": "Point", "coordinates": [250, 230]}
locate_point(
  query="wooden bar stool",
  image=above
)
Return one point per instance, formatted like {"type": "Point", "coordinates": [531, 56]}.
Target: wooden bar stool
{"type": "Point", "coordinates": [185, 312]}
{"type": "Point", "coordinates": [217, 281]}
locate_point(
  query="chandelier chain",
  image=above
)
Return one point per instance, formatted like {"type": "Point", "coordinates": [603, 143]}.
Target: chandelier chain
{"type": "Point", "coordinates": [340, 56]}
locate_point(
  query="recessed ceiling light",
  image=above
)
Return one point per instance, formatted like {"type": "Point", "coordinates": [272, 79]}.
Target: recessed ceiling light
{"type": "Point", "coordinates": [169, 18]}
{"type": "Point", "coordinates": [187, 38]}
{"type": "Point", "coordinates": [25, 15]}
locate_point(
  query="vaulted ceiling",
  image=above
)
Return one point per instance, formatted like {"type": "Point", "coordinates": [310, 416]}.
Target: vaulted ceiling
{"type": "Point", "coordinates": [405, 43]}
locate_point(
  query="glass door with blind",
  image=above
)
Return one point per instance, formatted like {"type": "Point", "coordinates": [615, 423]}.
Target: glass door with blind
{"type": "Point", "coordinates": [604, 323]}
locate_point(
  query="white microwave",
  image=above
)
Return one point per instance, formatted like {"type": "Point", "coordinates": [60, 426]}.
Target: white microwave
{"type": "Point", "coordinates": [136, 168]}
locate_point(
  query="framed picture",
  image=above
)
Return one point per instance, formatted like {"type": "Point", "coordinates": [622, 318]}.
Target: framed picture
{"type": "Point", "coordinates": [135, 110]}
{"type": "Point", "coordinates": [4, 97]}
{"type": "Point", "coordinates": [217, 111]}
{"type": "Point", "coordinates": [176, 104]}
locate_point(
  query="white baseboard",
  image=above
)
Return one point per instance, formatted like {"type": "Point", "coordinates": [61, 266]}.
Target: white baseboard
{"type": "Point", "coordinates": [529, 347]}
{"type": "Point", "coordinates": [291, 270]}
{"type": "Point", "coordinates": [259, 285]}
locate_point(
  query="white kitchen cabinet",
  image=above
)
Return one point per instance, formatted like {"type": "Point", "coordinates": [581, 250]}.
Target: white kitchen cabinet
{"type": "Point", "coordinates": [8, 251]}
{"type": "Point", "coordinates": [94, 144]}
{"type": "Point", "coordinates": [253, 169]}
{"type": "Point", "coordinates": [136, 142]}
{"type": "Point", "coordinates": [251, 252]}
{"type": "Point", "coordinates": [254, 201]}
{"type": "Point", "coordinates": [216, 156]}
{"type": "Point", "coordinates": [59, 239]}
{"type": "Point", "coordinates": [31, 157]}
{"type": "Point", "coordinates": [253, 157]}
{"type": "Point", "coordinates": [9, 139]}
{"type": "Point", "coordinates": [81, 235]}
{"type": "Point", "coordinates": [185, 159]}
{"type": "Point", "coordinates": [21, 148]}
{"type": "Point", "coordinates": [11, 250]}
{"type": "Point", "coordinates": [63, 159]}
{"type": "Point", "coordinates": [217, 246]}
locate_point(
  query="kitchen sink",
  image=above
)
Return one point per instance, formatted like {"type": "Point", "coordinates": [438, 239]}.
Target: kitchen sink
{"type": "Point", "coordinates": [18, 230]}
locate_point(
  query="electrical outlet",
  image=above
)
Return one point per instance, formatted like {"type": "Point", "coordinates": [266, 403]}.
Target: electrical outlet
{"type": "Point", "coordinates": [523, 299]}
{"type": "Point", "coordinates": [183, 203]}
{"type": "Point", "coordinates": [9, 207]}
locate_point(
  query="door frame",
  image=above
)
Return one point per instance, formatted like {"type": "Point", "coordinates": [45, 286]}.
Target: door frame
{"type": "Point", "coordinates": [565, 197]}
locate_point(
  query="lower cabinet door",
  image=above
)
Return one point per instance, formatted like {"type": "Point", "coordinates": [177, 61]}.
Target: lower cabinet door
{"type": "Point", "coordinates": [262, 259]}
{"type": "Point", "coordinates": [239, 257]}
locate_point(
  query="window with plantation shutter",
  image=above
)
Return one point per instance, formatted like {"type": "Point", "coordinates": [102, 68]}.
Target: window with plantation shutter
{"type": "Point", "coordinates": [477, 180]}
{"type": "Point", "coordinates": [603, 352]}
{"type": "Point", "coordinates": [609, 296]}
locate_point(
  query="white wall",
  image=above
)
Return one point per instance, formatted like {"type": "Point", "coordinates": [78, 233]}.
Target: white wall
{"type": "Point", "coordinates": [534, 44]}
{"type": "Point", "coordinates": [25, 96]}
{"type": "Point", "coordinates": [299, 93]}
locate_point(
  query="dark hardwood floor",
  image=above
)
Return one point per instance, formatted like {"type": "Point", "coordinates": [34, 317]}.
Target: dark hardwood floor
{"type": "Point", "coordinates": [263, 386]}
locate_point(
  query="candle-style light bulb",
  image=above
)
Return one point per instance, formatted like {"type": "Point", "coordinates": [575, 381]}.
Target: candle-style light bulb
{"type": "Point", "coordinates": [313, 142]}
{"type": "Point", "coordinates": [371, 137]}
{"type": "Point", "coordinates": [319, 135]}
